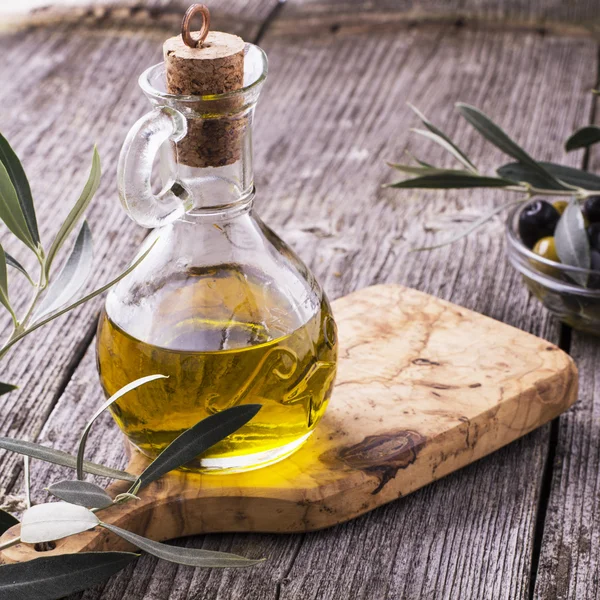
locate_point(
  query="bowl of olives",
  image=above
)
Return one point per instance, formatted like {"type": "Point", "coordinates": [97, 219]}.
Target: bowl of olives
{"type": "Point", "coordinates": [556, 248]}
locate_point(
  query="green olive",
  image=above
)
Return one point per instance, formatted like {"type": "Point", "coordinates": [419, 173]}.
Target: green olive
{"type": "Point", "coordinates": [546, 248]}
{"type": "Point", "coordinates": [560, 206]}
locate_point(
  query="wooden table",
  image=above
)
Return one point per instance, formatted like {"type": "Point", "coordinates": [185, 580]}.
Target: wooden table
{"type": "Point", "coordinates": [522, 523]}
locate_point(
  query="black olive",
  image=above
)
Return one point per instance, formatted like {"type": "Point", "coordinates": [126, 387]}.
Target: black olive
{"type": "Point", "coordinates": [593, 232]}
{"type": "Point", "coordinates": [594, 280]}
{"type": "Point", "coordinates": [591, 209]}
{"type": "Point", "coordinates": [537, 220]}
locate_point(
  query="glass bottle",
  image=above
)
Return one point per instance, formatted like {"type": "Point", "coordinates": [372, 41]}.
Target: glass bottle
{"type": "Point", "coordinates": [220, 305]}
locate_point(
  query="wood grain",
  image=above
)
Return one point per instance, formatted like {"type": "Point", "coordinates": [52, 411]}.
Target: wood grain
{"type": "Point", "coordinates": [300, 16]}
{"type": "Point", "coordinates": [556, 16]}
{"type": "Point", "coordinates": [424, 387]}
{"type": "Point", "coordinates": [136, 17]}
{"type": "Point", "coordinates": [332, 112]}
{"type": "Point", "coordinates": [569, 554]}
{"type": "Point", "coordinates": [440, 541]}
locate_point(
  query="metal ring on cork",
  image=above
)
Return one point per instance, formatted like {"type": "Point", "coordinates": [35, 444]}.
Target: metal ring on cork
{"type": "Point", "coordinates": [190, 13]}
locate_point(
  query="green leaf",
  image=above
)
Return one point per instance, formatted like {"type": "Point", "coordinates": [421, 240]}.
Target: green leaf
{"type": "Point", "coordinates": [7, 521]}
{"type": "Point", "coordinates": [449, 146]}
{"type": "Point", "coordinates": [19, 180]}
{"type": "Point", "coordinates": [494, 134]}
{"type": "Point", "coordinates": [54, 577]}
{"type": "Point", "coordinates": [11, 212]}
{"type": "Point", "coordinates": [451, 181]}
{"type": "Point", "coordinates": [76, 304]}
{"type": "Point", "coordinates": [4, 300]}
{"type": "Point", "coordinates": [196, 440]}
{"type": "Point", "coordinates": [520, 173]}
{"type": "Point", "coordinates": [86, 431]}
{"type": "Point", "coordinates": [77, 211]}
{"type": "Point", "coordinates": [6, 388]}
{"type": "Point", "coordinates": [571, 241]}
{"type": "Point", "coordinates": [15, 264]}
{"type": "Point", "coordinates": [582, 138]}
{"type": "Point", "coordinates": [576, 177]}
{"type": "Point", "coordinates": [82, 493]}
{"type": "Point", "coordinates": [27, 480]}
{"type": "Point", "coordinates": [422, 170]}
{"type": "Point", "coordinates": [54, 521]}
{"type": "Point", "coordinates": [448, 143]}
{"type": "Point", "coordinates": [472, 227]}
{"type": "Point", "coordinates": [183, 556]}
{"type": "Point", "coordinates": [58, 457]}
{"type": "Point", "coordinates": [72, 277]}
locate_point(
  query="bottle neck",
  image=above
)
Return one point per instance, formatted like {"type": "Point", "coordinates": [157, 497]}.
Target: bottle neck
{"type": "Point", "coordinates": [216, 187]}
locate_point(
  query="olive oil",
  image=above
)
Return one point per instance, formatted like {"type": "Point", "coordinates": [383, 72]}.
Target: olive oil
{"type": "Point", "coordinates": [223, 337]}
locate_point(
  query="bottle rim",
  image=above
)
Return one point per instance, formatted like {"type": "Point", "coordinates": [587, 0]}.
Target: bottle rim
{"type": "Point", "coordinates": [255, 68]}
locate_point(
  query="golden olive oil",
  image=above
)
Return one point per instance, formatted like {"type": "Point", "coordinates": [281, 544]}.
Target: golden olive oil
{"type": "Point", "coordinates": [223, 338]}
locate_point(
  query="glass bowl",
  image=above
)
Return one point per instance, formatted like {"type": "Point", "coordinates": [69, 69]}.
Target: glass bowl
{"type": "Point", "coordinates": [558, 287]}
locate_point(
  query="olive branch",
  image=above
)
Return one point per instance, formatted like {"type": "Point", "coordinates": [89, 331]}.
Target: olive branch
{"type": "Point", "coordinates": [526, 176]}
{"type": "Point", "coordinates": [52, 293]}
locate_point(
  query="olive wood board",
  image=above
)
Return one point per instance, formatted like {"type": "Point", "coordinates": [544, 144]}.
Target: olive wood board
{"type": "Point", "coordinates": [424, 387]}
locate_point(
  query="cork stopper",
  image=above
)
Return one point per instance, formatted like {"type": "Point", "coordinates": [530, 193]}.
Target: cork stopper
{"type": "Point", "coordinates": [204, 63]}
{"type": "Point", "coordinates": [216, 67]}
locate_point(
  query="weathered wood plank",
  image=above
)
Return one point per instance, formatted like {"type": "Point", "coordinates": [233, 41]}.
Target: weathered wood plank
{"type": "Point", "coordinates": [301, 16]}
{"type": "Point", "coordinates": [335, 112]}
{"type": "Point", "coordinates": [244, 17]}
{"type": "Point", "coordinates": [570, 555]}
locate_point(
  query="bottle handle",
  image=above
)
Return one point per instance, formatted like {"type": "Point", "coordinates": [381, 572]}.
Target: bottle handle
{"type": "Point", "coordinates": [134, 171]}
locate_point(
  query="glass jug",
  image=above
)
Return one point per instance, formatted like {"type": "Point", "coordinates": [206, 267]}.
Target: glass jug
{"type": "Point", "coordinates": [220, 305]}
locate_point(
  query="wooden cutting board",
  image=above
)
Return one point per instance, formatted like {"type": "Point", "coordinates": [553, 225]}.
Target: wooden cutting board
{"type": "Point", "coordinates": [424, 387]}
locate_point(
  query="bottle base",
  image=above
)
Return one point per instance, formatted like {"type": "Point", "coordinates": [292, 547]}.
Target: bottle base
{"type": "Point", "coordinates": [243, 463]}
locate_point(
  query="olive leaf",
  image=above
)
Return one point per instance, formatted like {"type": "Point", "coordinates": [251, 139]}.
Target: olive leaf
{"type": "Point", "coordinates": [15, 264]}
{"type": "Point", "coordinates": [27, 480]}
{"type": "Point", "coordinates": [82, 493]}
{"type": "Point", "coordinates": [183, 556]}
{"type": "Point", "coordinates": [86, 431]}
{"type": "Point", "coordinates": [72, 277]}
{"type": "Point", "coordinates": [54, 521]}
{"type": "Point", "coordinates": [441, 138]}
{"type": "Point", "coordinates": [472, 227]}
{"type": "Point", "coordinates": [572, 176]}
{"type": "Point", "coordinates": [54, 577]}
{"type": "Point", "coordinates": [11, 212]}
{"type": "Point", "coordinates": [7, 521]}
{"type": "Point", "coordinates": [19, 180]}
{"type": "Point", "coordinates": [447, 145]}
{"type": "Point", "coordinates": [194, 441]}
{"type": "Point", "coordinates": [582, 138]}
{"type": "Point", "coordinates": [58, 457]}
{"type": "Point", "coordinates": [77, 211]}
{"type": "Point", "coordinates": [4, 300]}
{"type": "Point", "coordinates": [494, 134]}
{"type": "Point", "coordinates": [571, 241]}
{"type": "Point", "coordinates": [426, 170]}
{"type": "Point", "coordinates": [519, 172]}
{"type": "Point", "coordinates": [451, 180]}
{"type": "Point", "coordinates": [6, 388]}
